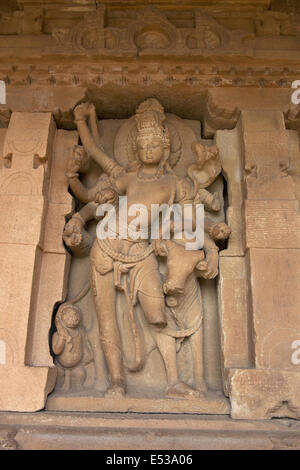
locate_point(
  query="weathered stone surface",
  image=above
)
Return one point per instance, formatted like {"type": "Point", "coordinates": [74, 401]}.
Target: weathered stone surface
{"type": "Point", "coordinates": [2, 138]}
{"type": "Point", "coordinates": [25, 388]}
{"type": "Point", "coordinates": [114, 431]}
{"type": "Point", "coordinates": [229, 143]}
{"type": "Point", "coordinates": [275, 300]}
{"type": "Point", "coordinates": [233, 294]}
{"type": "Point", "coordinates": [264, 394]}
{"type": "Point", "coordinates": [272, 224]}
{"type": "Point", "coordinates": [234, 315]}
{"type": "Point", "coordinates": [266, 154]}
{"type": "Point", "coordinates": [54, 261]}
{"type": "Point", "coordinates": [27, 151]}
{"type": "Point", "coordinates": [294, 168]}
{"type": "Point", "coordinates": [29, 137]}
{"type": "Point", "coordinates": [50, 286]}
{"type": "Point", "coordinates": [24, 207]}
{"type": "Point", "coordinates": [212, 404]}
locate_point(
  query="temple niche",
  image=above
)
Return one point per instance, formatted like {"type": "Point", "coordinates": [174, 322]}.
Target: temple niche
{"type": "Point", "coordinates": [146, 343]}
{"type": "Point", "coordinates": [137, 363]}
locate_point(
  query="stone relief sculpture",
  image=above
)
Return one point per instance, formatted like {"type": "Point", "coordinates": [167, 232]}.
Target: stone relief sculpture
{"type": "Point", "coordinates": [71, 347]}
{"type": "Point", "coordinates": [146, 293]}
{"type": "Point", "coordinates": [150, 32]}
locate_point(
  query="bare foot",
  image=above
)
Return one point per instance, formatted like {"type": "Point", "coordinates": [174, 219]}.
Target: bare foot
{"type": "Point", "coordinates": [115, 391]}
{"type": "Point", "coordinates": [202, 387]}
{"type": "Point", "coordinates": [182, 390]}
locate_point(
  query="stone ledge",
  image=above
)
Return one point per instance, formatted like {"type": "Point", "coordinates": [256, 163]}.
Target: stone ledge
{"type": "Point", "coordinates": [120, 431]}
{"type": "Point", "coordinates": [211, 404]}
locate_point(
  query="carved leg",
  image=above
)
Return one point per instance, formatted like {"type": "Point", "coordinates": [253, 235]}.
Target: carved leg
{"type": "Point", "coordinates": [105, 304]}
{"type": "Point", "coordinates": [197, 350]}
{"type": "Point", "coordinates": [167, 347]}
{"type": "Point", "coordinates": [154, 309]}
{"type": "Point", "coordinates": [151, 297]}
{"type": "Point", "coordinates": [78, 377]}
{"type": "Point", "coordinates": [67, 381]}
{"type": "Point", "coordinates": [60, 376]}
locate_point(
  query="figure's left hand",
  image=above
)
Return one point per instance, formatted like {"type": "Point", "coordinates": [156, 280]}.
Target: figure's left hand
{"type": "Point", "coordinates": [212, 259]}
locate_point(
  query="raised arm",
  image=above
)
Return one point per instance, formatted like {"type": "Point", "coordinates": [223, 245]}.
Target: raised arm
{"type": "Point", "coordinates": [108, 165]}
{"type": "Point", "coordinates": [74, 235]}
{"type": "Point", "coordinates": [58, 343]}
{"type": "Point", "coordinates": [80, 191]}
{"type": "Point", "coordinates": [94, 125]}
{"type": "Point", "coordinates": [78, 162]}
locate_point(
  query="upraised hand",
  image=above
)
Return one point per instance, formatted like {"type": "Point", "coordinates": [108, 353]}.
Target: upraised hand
{"type": "Point", "coordinates": [78, 162]}
{"type": "Point", "coordinates": [82, 111]}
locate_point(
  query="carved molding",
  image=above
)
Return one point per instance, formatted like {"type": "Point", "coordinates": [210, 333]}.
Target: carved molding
{"type": "Point", "coordinates": [143, 32]}
{"type": "Point", "coordinates": [142, 73]}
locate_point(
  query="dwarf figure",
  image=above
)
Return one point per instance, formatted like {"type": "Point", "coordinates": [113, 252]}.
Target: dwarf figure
{"type": "Point", "coordinates": [71, 347]}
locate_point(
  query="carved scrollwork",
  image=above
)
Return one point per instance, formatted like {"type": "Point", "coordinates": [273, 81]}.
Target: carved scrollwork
{"type": "Point", "coordinates": [88, 35]}
{"type": "Point", "coordinates": [204, 38]}
{"type": "Point", "coordinates": [150, 32]}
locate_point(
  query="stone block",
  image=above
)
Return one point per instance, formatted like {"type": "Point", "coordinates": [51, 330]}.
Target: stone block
{"type": "Point", "coordinates": [25, 388]}
{"type": "Point", "coordinates": [275, 278]}
{"type": "Point", "coordinates": [29, 140]}
{"type": "Point", "coordinates": [264, 394]}
{"type": "Point", "coordinates": [272, 224]}
{"type": "Point", "coordinates": [233, 310]}
{"type": "Point", "coordinates": [21, 219]}
{"type": "Point", "coordinates": [229, 144]}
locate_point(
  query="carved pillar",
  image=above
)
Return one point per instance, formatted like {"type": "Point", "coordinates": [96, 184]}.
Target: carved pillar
{"type": "Point", "coordinates": [24, 187]}
{"type": "Point", "coordinates": [270, 386]}
{"type": "Point", "coordinates": [233, 292]}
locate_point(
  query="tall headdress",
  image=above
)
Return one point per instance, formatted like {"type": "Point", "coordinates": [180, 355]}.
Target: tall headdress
{"type": "Point", "coordinates": [150, 119]}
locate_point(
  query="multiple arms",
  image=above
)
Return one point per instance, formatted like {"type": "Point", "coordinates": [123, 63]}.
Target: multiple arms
{"type": "Point", "coordinates": [82, 112]}
{"type": "Point", "coordinates": [74, 235]}
{"type": "Point", "coordinates": [79, 161]}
